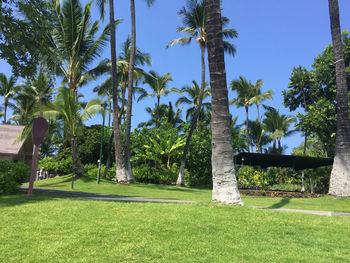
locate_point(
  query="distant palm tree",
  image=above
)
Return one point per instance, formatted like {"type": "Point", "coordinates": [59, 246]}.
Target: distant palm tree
{"type": "Point", "coordinates": [192, 98]}
{"type": "Point", "coordinates": [340, 177]}
{"type": "Point", "coordinates": [8, 89]}
{"type": "Point", "coordinates": [225, 188]}
{"type": "Point", "coordinates": [159, 86]}
{"type": "Point", "coordinates": [165, 113]}
{"type": "Point", "coordinates": [23, 110]}
{"type": "Point", "coordinates": [259, 97]}
{"type": "Point", "coordinates": [74, 115]}
{"type": "Point", "coordinates": [245, 93]}
{"type": "Point", "coordinates": [194, 20]}
{"type": "Point", "coordinates": [278, 126]}
{"type": "Point", "coordinates": [258, 135]}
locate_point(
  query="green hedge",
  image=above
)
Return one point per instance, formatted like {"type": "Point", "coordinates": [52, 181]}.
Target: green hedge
{"type": "Point", "coordinates": [12, 175]}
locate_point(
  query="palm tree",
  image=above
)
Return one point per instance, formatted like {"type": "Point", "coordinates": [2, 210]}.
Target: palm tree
{"type": "Point", "coordinates": [8, 89]}
{"type": "Point", "coordinates": [192, 98]}
{"type": "Point", "coordinates": [132, 62]}
{"type": "Point", "coordinates": [23, 110]}
{"type": "Point", "coordinates": [41, 88]}
{"type": "Point", "coordinates": [70, 110]}
{"type": "Point", "coordinates": [194, 20]}
{"type": "Point", "coordinates": [225, 188]}
{"type": "Point", "coordinates": [159, 86]}
{"type": "Point", "coordinates": [259, 97]}
{"type": "Point", "coordinates": [258, 135]}
{"type": "Point", "coordinates": [72, 45]}
{"type": "Point", "coordinates": [278, 126]}
{"type": "Point", "coordinates": [245, 93]}
{"type": "Point", "coordinates": [165, 113]}
{"type": "Point", "coordinates": [340, 176]}
{"type": "Point", "coordinates": [121, 173]}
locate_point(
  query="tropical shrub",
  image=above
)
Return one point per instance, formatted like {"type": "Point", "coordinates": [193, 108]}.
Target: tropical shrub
{"type": "Point", "coordinates": [54, 166]}
{"type": "Point", "coordinates": [146, 174]}
{"type": "Point", "coordinates": [12, 175]}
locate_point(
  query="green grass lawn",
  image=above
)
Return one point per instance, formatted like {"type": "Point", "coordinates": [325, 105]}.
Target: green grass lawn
{"type": "Point", "coordinates": [48, 228]}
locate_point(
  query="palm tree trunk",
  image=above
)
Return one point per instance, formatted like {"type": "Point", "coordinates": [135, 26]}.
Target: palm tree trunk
{"type": "Point", "coordinates": [157, 115]}
{"type": "Point", "coordinates": [247, 124]}
{"type": "Point", "coordinates": [181, 178]}
{"type": "Point", "coordinates": [340, 177]}
{"type": "Point", "coordinates": [130, 92]}
{"type": "Point", "coordinates": [108, 162]}
{"type": "Point", "coordinates": [5, 111]}
{"type": "Point", "coordinates": [258, 110]}
{"type": "Point", "coordinates": [225, 188]}
{"type": "Point", "coordinates": [120, 168]}
{"type": "Point", "coordinates": [78, 168]}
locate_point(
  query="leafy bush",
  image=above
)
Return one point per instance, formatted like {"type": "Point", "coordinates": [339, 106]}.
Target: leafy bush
{"type": "Point", "coordinates": [146, 174]}
{"type": "Point", "coordinates": [54, 166]}
{"type": "Point", "coordinates": [250, 176]}
{"type": "Point", "coordinates": [12, 175]}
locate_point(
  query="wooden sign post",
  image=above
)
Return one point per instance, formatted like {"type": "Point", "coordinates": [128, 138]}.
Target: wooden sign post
{"type": "Point", "coordinates": [40, 126]}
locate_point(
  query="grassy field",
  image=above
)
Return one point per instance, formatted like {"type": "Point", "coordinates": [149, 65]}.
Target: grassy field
{"type": "Point", "coordinates": [48, 228]}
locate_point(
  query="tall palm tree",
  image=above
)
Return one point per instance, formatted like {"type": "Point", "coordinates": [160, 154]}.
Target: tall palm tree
{"type": "Point", "coordinates": [72, 44]}
{"type": "Point", "coordinates": [194, 20]}
{"type": "Point", "coordinates": [74, 115]}
{"type": "Point", "coordinates": [159, 86]}
{"type": "Point", "coordinates": [340, 176]}
{"type": "Point", "coordinates": [245, 93]}
{"type": "Point", "coordinates": [278, 126]}
{"type": "Point", "coordinates": [225, 188]}
{"type": "Point", "coordinates": [260, 97]}
{"type": "Point", "coordinates": [121, 173]}
{"type": "Point", "coordinates": [132, 60]}
{"type": "Point", "coordinates": [8, 89]}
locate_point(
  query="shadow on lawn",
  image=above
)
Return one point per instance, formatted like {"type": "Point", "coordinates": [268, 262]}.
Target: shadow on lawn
{"type": "Point", "coordinates": [20, 198]}
{"type": "Point", "coordinates": [281, 203]}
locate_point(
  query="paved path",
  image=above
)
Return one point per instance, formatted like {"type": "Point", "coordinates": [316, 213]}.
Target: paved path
{"type": "Point", "coordinates": [321, 213]}
{"type": "Point", "coordinates": [93, 196]}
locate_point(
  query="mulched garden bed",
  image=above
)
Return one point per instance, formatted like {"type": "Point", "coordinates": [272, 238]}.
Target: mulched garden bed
{"type": "Point", "coordinates": [284, 194]}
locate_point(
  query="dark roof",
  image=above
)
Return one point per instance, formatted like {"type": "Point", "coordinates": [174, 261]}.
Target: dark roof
{"type": "Point", "coordinates": [278, 160]}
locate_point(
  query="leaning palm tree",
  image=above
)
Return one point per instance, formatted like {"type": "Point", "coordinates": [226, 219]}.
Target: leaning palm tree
{"type": "Point", "coordinates": [260, 97]}
{"type": "Point", "coordinates": [8, 89]}
{"type": "Point", "coordinates": [340, 176]}
{"type": "Point", "coordinates": [194, 20]}
{"type": "Point", "coordinates": [225, 188]}
{"type": "Point", "coordinates": [74, 115]}
{"type": "Point", "coordinates": [192, 99]}
{"type": "Point", "coordinates": [245, 93]}
{"type": "Point", "coordinates": [159, 86]}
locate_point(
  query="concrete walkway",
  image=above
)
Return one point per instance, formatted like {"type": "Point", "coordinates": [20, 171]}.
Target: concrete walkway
{"type": "Point", "coordinates": [93, 196]}
{"type": "Point", "coordinates": [321, 213]}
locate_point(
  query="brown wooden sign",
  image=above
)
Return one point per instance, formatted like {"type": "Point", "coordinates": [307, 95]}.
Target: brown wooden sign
{"type": "Point", "coordinates": [40, 126]}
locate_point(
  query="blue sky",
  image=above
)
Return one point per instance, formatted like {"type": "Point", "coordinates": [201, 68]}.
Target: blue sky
{"type": "Point", "coordinates": [274, 37]}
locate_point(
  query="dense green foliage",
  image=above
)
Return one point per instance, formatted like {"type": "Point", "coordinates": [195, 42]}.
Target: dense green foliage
{"type": "Point", "coordinates": [12, 175]}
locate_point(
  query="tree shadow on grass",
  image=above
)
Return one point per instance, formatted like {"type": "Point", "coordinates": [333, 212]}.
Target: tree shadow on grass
{"type": "Point", "coordinates": [281, 203]}
{"type": "Point", "coordinates": [20, 198]}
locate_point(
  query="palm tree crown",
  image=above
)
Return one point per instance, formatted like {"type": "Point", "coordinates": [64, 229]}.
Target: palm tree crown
{"type": "Point", "coordinates": [8, 89]}
{"type": "Point", "coordinates": [193, 18]}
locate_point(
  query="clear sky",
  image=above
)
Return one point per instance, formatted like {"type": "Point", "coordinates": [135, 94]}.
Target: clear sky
{"type": "Point", "coordinates": [274, 37]}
